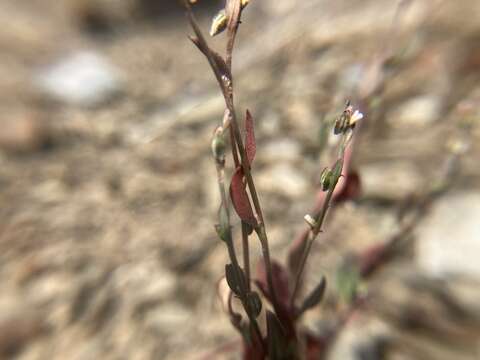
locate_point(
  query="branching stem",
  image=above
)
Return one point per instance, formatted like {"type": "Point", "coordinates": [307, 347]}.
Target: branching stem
{"type": "Point", "coordinates": [227, 91]}
{"type": "Point", "coordinates": [320, 216]}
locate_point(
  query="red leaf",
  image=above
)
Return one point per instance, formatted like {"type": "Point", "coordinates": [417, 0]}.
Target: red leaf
{"type": "Point", "coordinates": [316, 347]}
{"type": "Point", "coordinates": [371, 258]}
{"type": "Point", "coordinates": [253, 350]}
{"type": "Point", "coordinates": [280, 281]}
{"type": "Point", "coordinates": [250, 145]}
{"type": "Point", "coordinates": [351, 188]}
{"type": "Point", "coordinates": [240, 200]}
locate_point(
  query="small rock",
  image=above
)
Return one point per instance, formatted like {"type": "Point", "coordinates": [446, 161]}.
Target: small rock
{"type": "Point", "coordinates": [18, 331]}
{"type": "Point", "coordinates": [82, 79]}
{"type": "Point", "coordinates": [283, 179]}
{"type": "Point", "coordinates": [449, 237]}
{"type": "Point", "coordinates": [389, 180]}
{"type": "Point", "coordinates": [419, 111]}
{"type": "Point", "coordinates": [23, 133]}
{"type": "Point", "coordinates": [281, 150]}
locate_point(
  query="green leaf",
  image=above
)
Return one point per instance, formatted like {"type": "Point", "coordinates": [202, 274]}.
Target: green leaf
{"type": "Point", "coordinates": [235, 277]}
{"type": "Point", "coordinates": [254, 303]}
{"type": "Point", "coordinates": [223, 229]}
{"type": "Point", "coordinates": [348, 279]}
{"type": "Point", "coordinates": [326, 179]}
{"type": "Point", "coordinates": [315, 296]}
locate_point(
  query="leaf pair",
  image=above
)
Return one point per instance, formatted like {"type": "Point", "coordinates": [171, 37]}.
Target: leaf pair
{"type": "Point", "coordinates": [238, 191]}
{"type": "Point", "coordinates": [238, 283]}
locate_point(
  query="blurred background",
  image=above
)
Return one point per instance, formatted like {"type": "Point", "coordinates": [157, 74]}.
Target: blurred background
{"type": "Point", "coordinates": [107, 186]}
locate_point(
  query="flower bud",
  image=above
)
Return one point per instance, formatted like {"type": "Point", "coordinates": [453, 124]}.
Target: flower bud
{"type": "Point", "coordinates": [310, 220]}
{"type": "Point", "coordinates": [326, 178]}
{"type": "Point", "coordinates": [357, 115]}
{"type": "Point", "coordinates": [347, 120]}
{"type": "Point", "coordinates": [223, 229]}
{"type": "Point", "coordinates": [219, 23]}
{"type": "Point", "coordinates": [218, 146]}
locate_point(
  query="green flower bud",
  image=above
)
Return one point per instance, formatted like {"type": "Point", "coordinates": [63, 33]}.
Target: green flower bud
{"type": "Point", "coordinates": [326, 178]}
{"type": "Point", "coordinates": [219, 23]}
{"type": "Point", "coordinates": [218, 146]}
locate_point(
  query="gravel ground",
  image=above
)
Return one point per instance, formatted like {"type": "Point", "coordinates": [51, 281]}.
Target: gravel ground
{"type": "Point", "coordinates": [107, 249]}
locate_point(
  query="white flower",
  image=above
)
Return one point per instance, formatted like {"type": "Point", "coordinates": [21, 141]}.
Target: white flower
{"type": "Point", "coordinates": [310, 220]}
{"type": "Point", "coordinates": [357, 115]}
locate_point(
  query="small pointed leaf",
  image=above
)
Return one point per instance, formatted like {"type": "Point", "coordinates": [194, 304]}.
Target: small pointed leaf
{"type": "Point", "coordinates": [223, 227]}
{"type": "Point", "coordinates": [315, 296]}
{"type": "Point", "coordinates": [234, 277]}
{"type": "Point", "coordinates": [350, 189]}
{"type": "Point", "coordinates": [348, 279]}
{"type": "Point", "coordinates": [240, 200]}
{"type": "Point", "coordinates": [232, 11]}
{"type": "Point", "coordinates": [250, 144]}
{"type": "Point", "coordinates": [254, 303]}
{"type": "Point", "coordinates": [280, 281]}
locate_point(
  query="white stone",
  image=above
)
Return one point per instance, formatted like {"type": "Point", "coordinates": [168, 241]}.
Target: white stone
{"type": "Point", "coordinates": [449, 238]}
{"type": "Point", "coordinates": [83, 79]}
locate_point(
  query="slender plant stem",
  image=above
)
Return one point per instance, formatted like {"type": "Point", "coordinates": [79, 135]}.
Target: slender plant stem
{"type": "Point", "coordinates": [243, 292]}
{"type": "Point", "coordinates": [232, 33]}
{"type": "Point", "coordinates": [312, 234]}
{"type": "Point", "coordinates": [262, 235]}
{"type": "Point", "coordinates": [244, 288]}
{"type": "Point", "coordinates": [261, 231]}
{"type": "Point", "coordinates": [226, 88]}
{"type": "Point", "coordinates": [320, 218]}
{"type": "Point", "coordinates": [246, 254]}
